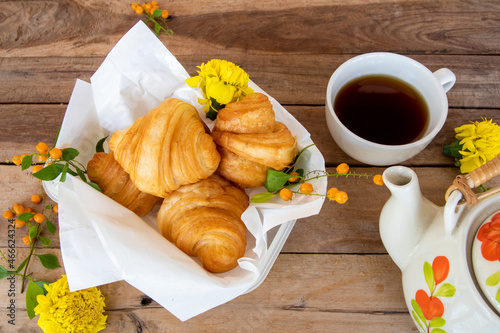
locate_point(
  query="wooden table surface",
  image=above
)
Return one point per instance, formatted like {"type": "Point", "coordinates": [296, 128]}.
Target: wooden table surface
{"type": "Point", "coordinates": [333, 274]}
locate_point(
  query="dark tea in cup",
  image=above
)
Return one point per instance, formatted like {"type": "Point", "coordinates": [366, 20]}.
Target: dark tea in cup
{"type": "Point", "coordinates": [382, 109]}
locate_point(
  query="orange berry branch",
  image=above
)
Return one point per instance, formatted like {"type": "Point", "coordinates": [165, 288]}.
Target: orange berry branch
{"type": "Point", "coordinates": [282, 182]}
{"type": "Point", "coordinates": [52, 163]}
{"type": "Point", "coordinates": [154, 14]}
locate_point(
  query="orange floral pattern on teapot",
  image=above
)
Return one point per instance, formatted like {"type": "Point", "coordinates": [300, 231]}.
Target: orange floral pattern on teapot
{"type": "Point", "coordinates": [428, 309]}
{"type": "Point", "coordinates": [489, 236]}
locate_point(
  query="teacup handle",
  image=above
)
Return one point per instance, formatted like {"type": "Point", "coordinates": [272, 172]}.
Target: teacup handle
{"type": "Point", "coordinates": [446, 78]}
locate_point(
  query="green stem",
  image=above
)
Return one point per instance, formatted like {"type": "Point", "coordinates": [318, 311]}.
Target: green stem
{"type": "Point", "coordinates": [5, 258]}
{"type": "Point", "coordinates": [32, 249]}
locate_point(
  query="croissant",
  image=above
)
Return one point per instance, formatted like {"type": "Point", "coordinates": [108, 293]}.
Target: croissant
{"type": "Point", "coordinates": [115, 183]}
{"type": "Point", "coordinates": [251, 141]}
{"type": "Point", "coordinates": [170, 146]}
{"type": "Point", "coordinates": [204, 220]}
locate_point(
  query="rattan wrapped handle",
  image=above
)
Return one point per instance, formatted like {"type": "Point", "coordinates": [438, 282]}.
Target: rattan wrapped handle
{"type": "Point", "coordinates": [465, 183]}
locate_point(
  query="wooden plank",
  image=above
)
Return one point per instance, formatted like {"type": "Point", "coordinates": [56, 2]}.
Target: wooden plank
{"type": "Point", "coordinates": [34, 27]}
{"type": "Point", "coordinates": [291, 79]}
{"type": "Point", "coordinates": [309, 292]}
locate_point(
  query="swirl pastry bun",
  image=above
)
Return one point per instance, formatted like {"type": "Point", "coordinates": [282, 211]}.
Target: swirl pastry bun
{"type": "Point", "coordinates": [251, 141]}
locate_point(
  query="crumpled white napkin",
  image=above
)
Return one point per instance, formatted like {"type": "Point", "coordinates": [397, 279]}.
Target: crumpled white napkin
{"type": "Point", "coordinates": [103, 242]}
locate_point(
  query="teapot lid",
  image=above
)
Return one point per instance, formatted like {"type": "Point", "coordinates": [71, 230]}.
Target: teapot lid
{"type": "Point", "coordinates": [486, 258]}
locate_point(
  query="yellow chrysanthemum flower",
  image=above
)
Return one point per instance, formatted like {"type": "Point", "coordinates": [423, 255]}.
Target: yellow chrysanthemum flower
{"type": "Point", "coordinates": [480, 143]}
{"type": "Point", "coordinates": [221, 83]}
{"type": "Point", "coordinates": [62, 311]}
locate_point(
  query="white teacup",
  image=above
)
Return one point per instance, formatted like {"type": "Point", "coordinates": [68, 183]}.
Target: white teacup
{"type": "Point", "coordinates": [431, 86]}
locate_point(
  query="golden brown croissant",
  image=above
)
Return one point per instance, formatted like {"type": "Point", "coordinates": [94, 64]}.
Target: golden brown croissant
{"type": "Point", "coordinates": [204, 220]}
{"type": "Point", "coordinates": [114, 182]}
{"type": "Point", "coordinates": [167, 148]}
{"type": "Point", "coordinates": [251, 141]}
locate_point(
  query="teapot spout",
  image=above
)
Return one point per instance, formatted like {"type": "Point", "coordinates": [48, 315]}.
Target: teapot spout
{"type": "Point", "coordinates": [405, 216]}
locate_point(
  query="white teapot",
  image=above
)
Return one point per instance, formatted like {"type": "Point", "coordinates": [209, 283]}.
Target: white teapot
{"type": "Point", "coordinates": [449, 256]}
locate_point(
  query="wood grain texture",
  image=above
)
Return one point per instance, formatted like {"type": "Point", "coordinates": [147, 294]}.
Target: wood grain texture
{"type": "Point", "coordinates": [301, 293]}
{"type": "Point", "coordinates": [291, 79]}
{"type": "Point", "coordinates": [76, 28]}
{"type": "Point", "coordinates": [333, 274]}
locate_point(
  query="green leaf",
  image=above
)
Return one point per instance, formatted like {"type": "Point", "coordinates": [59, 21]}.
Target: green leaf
{"type": "Point", "coordinates": [493, 280]}
{"type": "Point", "coordinates": [32, 292]}
{"type": "Point", "coordinates": [81, 174]}
{"type": "Point", "coordinates": [99, 147]}
{"type": "Point", "coordinates": [25, 216]}
{"type": "Point", "coordinates": [33, 231]}
{"type": "Point", "coordinates": [437, 322]}
{"type": "Point", "coordinates": [453, 150]}
{"type": "Point", "coordinates": [27, 161]}
{"type": "Point", "coordinates": [50, 227]}
{"type": "Point", "coordinates": [69, 154]}
{"type": "Point", "coordinates": [64, 173]}
{"type": "Point", "coordinates": [71, 172]}
{"type": "Point", "coordinates": [429, 276]}
{"type": "Point", "coordinates": [418, 311]}
{"type": "Point", "coordinates": [498, 295]}
{"type": "Point", "coordinates": [157, 13]}
{"type": "Point", "coordinates": [4, 272]}
{"type": "Point", "coordinates": [275, 180]}
{"type": "Point", "coordinates": [95, 186]}
{"type": "Point", "coordinates": [21, 266]}
{"type": "Point", "coordinates": [45, 241]}
{"type": "Point", "coordinates": [157, 28]}
{"type": "Point", "coordinates": [262, 197]}
{"type": "Point", "coordinates": [48, 260]}
{"type": "Point", "coordinates": [42, 285]}
{"type": "Point", "coordinates": [50, 172]}
{"type": "Point", "coordinates": [446, 290]}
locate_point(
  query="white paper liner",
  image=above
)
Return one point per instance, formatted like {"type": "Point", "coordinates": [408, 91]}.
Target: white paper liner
{"type": "Point", "coordinates": [103, 242]}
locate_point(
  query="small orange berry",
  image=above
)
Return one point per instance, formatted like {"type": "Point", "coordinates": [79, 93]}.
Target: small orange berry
{"type": "Point", "coordinates": [55, 153]}
{"type": "Point", "coordinates": [154, 3]}
{"type": "Point", "coordinates": [18, 208]}
{"type": "Point", "coordinates": [293, 179]}
{"type": "Point", "coordinates": [378, 180]}
{"type": "Point", "coordinates": [42, 148]}
{"type": "Point", "coordinates": [8, 214]}
{"type": "Point", "coordinates": [39, 218]}
{"type": "Point", "coordinates": [29, 210]}
{"type": "Point", "coordinates": [331, 193]}
{"type": "Point", "coordinates": [27, 240]}
{"type": "Point", "coordinates": [164, 13]}
{"type": "Point", "coordinates": [341, 197]}
{"type": "Point", "coordinates": [56, 209]}
{"type": "Point", "coordinates": [306, 188]}
{"type": "Point", "coordinates": [42, 158]}
{"type": "Point", "coordinates": [286, 194]}
{"type": "Point", "coordinates": [35, 198]}
{"type": "Point", "coordinates": [148, 6]}
{"type": "Point", "coordinates": [37, 168]}
{"type": "Point", "coordinates": [134, 6]}
{"type": "Point", "coordinates": [17, 160]}
{"type": "Point", "coordinates": [18, 224]}
{"type": "Point", "coordinates": [342, 169]}
{"type": "Point", "coordinates": [139, 10]}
